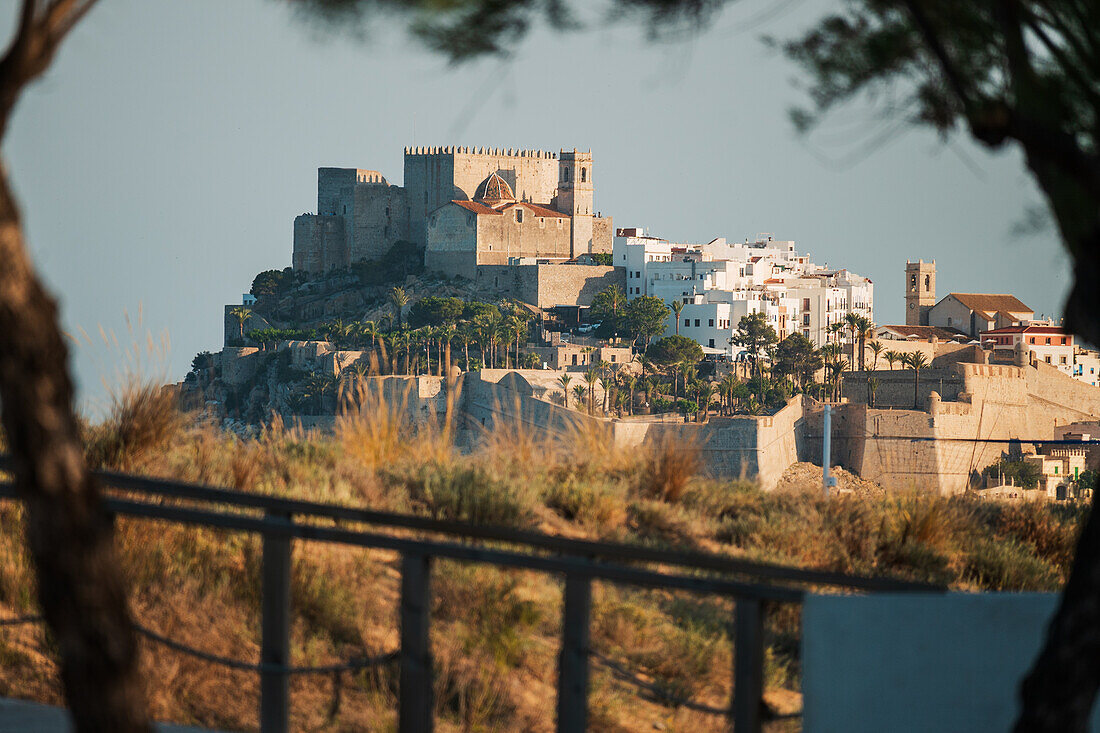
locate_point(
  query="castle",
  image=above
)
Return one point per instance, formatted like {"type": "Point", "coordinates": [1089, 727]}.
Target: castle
{"type": "Point", "coordinates": [465, 206]}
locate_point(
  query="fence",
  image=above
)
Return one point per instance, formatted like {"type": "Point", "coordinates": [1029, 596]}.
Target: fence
{"type": "Point", "coordinates": [578, 562]}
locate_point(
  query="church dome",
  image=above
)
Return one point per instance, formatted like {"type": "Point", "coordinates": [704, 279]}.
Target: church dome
{"type": "Point", "coordinates": [494, 190]}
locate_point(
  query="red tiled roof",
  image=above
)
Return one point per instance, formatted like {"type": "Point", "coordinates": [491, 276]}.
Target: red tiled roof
{"type": "Point", "coordinates": [987, 304]}
{"type": "Point", "coordinates": [537, 210]}
{"type": "Point", "coordinates": [479, 209]}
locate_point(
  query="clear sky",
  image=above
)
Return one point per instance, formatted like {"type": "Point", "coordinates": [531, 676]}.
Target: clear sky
{"type": "Point", "coordinates": [162, 160]}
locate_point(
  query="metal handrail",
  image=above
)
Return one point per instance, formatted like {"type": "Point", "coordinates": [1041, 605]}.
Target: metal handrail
{"type": "Point", "coordinates": [577, 562]}
{"type": "Point", "coordinates": [586, 548]}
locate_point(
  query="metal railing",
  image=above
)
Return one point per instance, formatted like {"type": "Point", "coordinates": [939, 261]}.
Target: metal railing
{"type": "Point", "coordinates": [280, 521]}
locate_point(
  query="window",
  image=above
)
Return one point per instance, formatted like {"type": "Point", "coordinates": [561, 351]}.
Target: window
{"type": "Point", "coordinates": [805, 304]}
{"type": "Point", "coordinates": [519, 216]}
{"type": "Point", "coordinates": [1048, 340]}
{"type": "Point", "coordinates": [687, 321]}
{"type": "Point", "coordinates": [710, 322]}
{"type": "Point", "coordinates": [574, 359]}
{"type": "Point", "coordinates": [950, 320]}
{"type": "Point", "coordinates": [912, 282]}
{"type": "Point", "coordinates": [697, 323]}
{"type": "Point", "coordinates": [710, 343]}
{"type": "Point", "coordinates": [1063, 360]}
{"type": "Point", "coordinates": [927, 282]}
{"type": "Point", "coordinates": [584, 175]}
{"type": "Point", "coordinates": [1048, 360]}
{"type": "Point", "coordinates": [565, 174]}
{"type": "Point", "coordinates": [387, 211]}
{"type": "Point", "coordinates": [612, 358]}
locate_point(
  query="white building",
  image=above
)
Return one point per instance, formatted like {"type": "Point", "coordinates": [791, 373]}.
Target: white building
{"type": "Point", "coordinates": [719, 283]}
{"type": "Point", "coordinates": [1042, 342]}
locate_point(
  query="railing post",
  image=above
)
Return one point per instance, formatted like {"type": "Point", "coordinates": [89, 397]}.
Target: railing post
{"type": "Point", "coordinates": [573, 661]}
{"type": "Point", "coordinates": [748, 665]}
{"type": "Point", "coordinates": [275, 629]}
{"type": "Point", "coordinates": [415, 708]}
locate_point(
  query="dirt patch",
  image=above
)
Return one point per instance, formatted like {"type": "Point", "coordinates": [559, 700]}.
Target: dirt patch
{"type": "Point", "coordinates": [806, 476]}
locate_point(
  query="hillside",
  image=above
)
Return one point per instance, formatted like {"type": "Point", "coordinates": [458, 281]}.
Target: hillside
{"type": "Point", "coordinates": [495, 633]}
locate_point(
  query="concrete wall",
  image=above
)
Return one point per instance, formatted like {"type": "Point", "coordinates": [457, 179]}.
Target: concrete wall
{"type": "Point", "coordinates": [919, 662]}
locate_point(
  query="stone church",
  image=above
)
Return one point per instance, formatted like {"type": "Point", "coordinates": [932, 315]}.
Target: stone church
{"type": "Point", "coordinates": [465, 206]}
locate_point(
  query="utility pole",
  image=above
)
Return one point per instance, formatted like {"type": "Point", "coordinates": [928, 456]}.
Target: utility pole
{"type": "Point", "coordinates": [827, 481]}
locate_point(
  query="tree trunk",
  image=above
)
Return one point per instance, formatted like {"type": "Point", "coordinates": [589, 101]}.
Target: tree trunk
{"type": "Point", "coordinates": [80, 589]}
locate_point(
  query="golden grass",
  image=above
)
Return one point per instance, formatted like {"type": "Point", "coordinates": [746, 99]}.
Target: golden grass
{"type": "Point", "coordinates": [495, 634]}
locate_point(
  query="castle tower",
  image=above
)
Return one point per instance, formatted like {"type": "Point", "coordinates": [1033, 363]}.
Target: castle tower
{"type": "Point", "coordinates": [575, 196]}
{"type": "Point", "coordinates": [920, 291]}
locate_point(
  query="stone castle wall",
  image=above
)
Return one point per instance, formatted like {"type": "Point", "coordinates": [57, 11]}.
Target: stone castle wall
{"type": "Point", "coordinates": [546, 286]}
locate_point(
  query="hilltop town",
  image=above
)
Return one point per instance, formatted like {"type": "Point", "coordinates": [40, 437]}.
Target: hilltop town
{"type": "Point", "coordinates": [490, 284]}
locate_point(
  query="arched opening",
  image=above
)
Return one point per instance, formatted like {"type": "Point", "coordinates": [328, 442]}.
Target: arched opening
{"type": "Point", "coordinates": [584, 175]}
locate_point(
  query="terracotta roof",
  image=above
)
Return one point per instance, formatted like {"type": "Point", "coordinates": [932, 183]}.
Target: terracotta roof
{"type": "Point", "coordinates": [479, 209]}
{"type": "Point", "coordinates": [988, 304]}
{"type": "Point", "coordinates": [1027, 329]}
{"type": "Point", "coordinates": [924, 332]}
{"type": "Point", "coordinates": [537, 210]}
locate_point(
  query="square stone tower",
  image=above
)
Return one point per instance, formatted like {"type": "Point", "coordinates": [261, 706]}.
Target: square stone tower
{"type": "Point", "coordinates": [920, 291]}
{"type": "Point", "coordinates": [575, 196]}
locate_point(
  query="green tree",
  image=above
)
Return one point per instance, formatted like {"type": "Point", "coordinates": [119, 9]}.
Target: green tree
{"type": "Point", "coordinates": [591, 377]}
{"type": "Point", "coordinates": [893, 357]}
{"type": "Point", "coordinates": [434, 310]}
{"type": "Point", "coordinates": [608, 306]}
{"type": "Point", "coordinates": [645, 317]}
{"type": "Point", "coordinates": [755, 335]}
{"type": "Point", "coordinates": [796, 357]}
{"type": "Point", "coordinates": [1024, 474]}
{"type": "Point", "coordinates": [675, 350]}
{"type": "Point", "coordinates": [272, 282]}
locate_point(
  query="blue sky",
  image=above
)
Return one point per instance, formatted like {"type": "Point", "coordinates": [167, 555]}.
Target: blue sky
{"type": "Point", "coordinates": [162, 160]}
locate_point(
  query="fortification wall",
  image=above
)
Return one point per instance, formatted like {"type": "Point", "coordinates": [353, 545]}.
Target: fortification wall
{"type": "Point", "coordinates": [452, 242]}
{"type": "Point", "coordinates": [546, 286]}
{"type": "Point", "coordinates": [381, 220]}
{"type": "Point", "coordinates": [603, 230]}
{"type": "Point", "coordinates": [320, 243]}
{"type": "Point", "coordinates": [896, 388]}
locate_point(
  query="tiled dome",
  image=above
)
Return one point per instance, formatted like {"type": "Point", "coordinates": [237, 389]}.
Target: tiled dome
{"type": "Point", "coordinates": [494, 190]}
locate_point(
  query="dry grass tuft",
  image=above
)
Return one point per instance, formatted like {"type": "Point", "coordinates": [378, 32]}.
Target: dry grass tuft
{"type": "Point", "coordinates": [144, 418]}
{"type": "Point", "coordinates": [673, 461]}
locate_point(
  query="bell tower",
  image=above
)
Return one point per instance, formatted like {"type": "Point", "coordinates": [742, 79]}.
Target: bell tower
{"type": "Point", "coordinates": [575, 197]}
{"type": "Point", "coordinates": [920, 291]}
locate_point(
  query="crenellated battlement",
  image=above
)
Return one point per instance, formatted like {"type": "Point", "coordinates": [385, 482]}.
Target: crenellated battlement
{"type": "Point", "coordinates": [468, 150]}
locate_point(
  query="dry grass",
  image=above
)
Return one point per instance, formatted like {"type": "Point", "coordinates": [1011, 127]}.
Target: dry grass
{"type": "Point", "coordinates": [494, 633]}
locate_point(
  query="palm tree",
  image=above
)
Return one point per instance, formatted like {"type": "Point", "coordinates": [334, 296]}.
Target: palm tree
{"type": "Point", "coordinates": [835, 369]}
{"type": "Point", "coordinates": [240, 315]}
{"type": "Point", "coordinates": [369, 328]}
{"type": "Point", "coordinates": [916, 361]}
{"type": "Point", "coordinates": [851, 320]}
{"type": "Point", "coordinates": [564, 381]}
{"type": "Point", "coordinates": [893, 357]}
{"type": "Point", "coordinates": [629, 383]}
{"type": "Point", "coordinates": [872, 389]}
{"type": "Point", "coordinates": [865, 329]}
{"type": "Point", "coordinates": [591, 378]}
{"type": "Point", "coordinates": [834, 330]}
{"type": "Point", "coordinates": [399, 299]}
{"type": "Point", "coordinates": [317, 386]}
{"type": "Point", "coordinates": [605, 385]}
{"type": "Point", "coordinates": [706, 394]}
{"type": "Point", "coordinates": [876, 348]}
{"type": "Point", "coordinates": [677, 309]}
{"type": "Point", "coordinates": [578, 392]}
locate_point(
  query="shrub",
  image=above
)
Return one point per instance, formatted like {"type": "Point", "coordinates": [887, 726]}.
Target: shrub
{"type": "Point", "coordinates": [1008, 565]}
{"type": "Point", "coordinates": [469, 493]}
{"type": "Point", "coordinates": [144, 417]}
